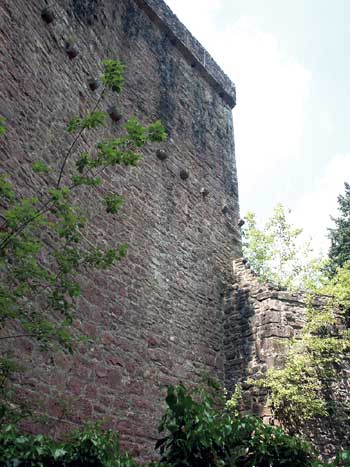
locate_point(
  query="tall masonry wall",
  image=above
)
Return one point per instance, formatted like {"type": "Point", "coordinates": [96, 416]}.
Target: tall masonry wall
{"type": "Point", "coordinates": [156, 317]}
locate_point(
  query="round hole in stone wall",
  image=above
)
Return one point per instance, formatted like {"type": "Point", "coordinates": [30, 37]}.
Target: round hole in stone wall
{"type": "Point", "coordinates": [48, 15]}
{"type": "Point", "coordinates": [72, 50]}
{"type": "Point", "coordinates": [204, 192]}
{"type": "Point", "coordinates": [161, 154]}
{"type": "Point", "coordinates": [184, 174]}
{"type": "Point", "coordinates": [114, 113]}
{"type": "Point", "coordinates": [93, 84]}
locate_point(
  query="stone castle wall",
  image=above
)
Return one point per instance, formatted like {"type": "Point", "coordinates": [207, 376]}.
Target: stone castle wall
{"type": "Point", "coordinates": [167, 312]}
{"type": "Point", "coordinates": [157, 317]}
{"type": "Point", "coordinates": [258, 320]}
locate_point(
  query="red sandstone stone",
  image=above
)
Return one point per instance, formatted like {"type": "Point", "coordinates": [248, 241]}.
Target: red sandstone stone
{"type": "Point", "coordinates": [101, 372]}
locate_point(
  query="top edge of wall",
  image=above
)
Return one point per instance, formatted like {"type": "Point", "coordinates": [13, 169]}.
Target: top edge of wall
{"type": "Point", "coordinates": [199, 58]}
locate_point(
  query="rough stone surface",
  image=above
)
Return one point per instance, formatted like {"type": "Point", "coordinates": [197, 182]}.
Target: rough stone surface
{"type": "Point", "coordinates": [258, 319]}
{"type": "Point", "coordinates": [165, 314]}
{"type": "Point", "coordinates": [199, 58]}
{"type": "Point", "coordinates": [157, 317]}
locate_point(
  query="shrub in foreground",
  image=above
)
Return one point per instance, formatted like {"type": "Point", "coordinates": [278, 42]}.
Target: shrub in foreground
{"type": "Point", "coordinates": [195, 433]}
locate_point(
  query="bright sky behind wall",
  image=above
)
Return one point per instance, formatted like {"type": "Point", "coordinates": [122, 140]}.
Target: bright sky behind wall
{"type": "Point", "coordinates": [290, 61]}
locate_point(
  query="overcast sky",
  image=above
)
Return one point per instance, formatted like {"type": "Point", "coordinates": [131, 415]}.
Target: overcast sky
{"type": "Point", "coordinates": [290, 61]}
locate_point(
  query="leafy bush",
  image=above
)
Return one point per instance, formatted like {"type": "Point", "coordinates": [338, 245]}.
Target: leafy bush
{"type": "Point", "coordinates": [304, 388]}
{"type": "Point", "coordinates": [196, 435]}
{"type": "Point", "coordinates": [92, 447]}
{"type": "Point", "coordinates": [199, 435]}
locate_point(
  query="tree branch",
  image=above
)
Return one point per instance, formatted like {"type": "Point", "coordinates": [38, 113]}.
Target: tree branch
{"type": "Point", "coordinates": [16, 336]}
{"type": "Point", "coordinates": [69, 152]}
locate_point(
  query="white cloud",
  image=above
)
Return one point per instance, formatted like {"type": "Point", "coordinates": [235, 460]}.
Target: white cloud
{"type": "Point", "coordinates": [272, 93]}
{"type": "Point", "coordinates": [272, 88]}
{"type": "Point", "coordinates": [314, 208]}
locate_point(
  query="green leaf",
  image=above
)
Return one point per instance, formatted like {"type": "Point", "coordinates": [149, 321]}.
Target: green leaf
{"type": "Point", "coordinates": [156, 132]}
{"type": "Point", "coordinates": [123, 248]}
{"type": "Point", "coordinates": [74, 124]}
{"type": "Point", "coordinates": [59, 452]}
{"type": "Point", "coordinates": [93, 120]}
{"type": "Point", "coordinates": [84, 180]}
{"type": "Point", "coordinates": [113, 203]}
{"type": "Point", "coordinates": [137, 132]}
{"type": "Point", "coordinates": [6, 190]}
{"type": "Point", "coordinates": [113, 75]}
{"type": "Point", "coordinates": [2, 125]}
{"type": "Point", "coordinates": [83, 162]}
{"type": "Point", "coordinates": [59, 194]}
{"type": "Point", "coordinates": [40, 167]}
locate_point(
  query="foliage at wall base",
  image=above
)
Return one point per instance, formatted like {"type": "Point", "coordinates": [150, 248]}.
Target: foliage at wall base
{"type": "Point", "coordinates": [194, 434]}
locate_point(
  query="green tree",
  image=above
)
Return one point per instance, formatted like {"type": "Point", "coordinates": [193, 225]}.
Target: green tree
{"type": "Point", "coordinates": [198, 434]}
{"type": "Point", "coordinates": [194, 432]}
{"type": "Point", "coordinates": [339, 236]}
{"type": "Point", "coordinates": [276, 252]}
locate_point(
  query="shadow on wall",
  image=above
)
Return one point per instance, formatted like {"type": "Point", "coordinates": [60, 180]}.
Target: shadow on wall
{"type": "Point", "coordinates": [239, 338]}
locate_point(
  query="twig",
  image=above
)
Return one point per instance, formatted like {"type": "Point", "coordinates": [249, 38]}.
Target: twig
{"type": "Point", "coordinates": [21, 227]}
{"type": "Point", "coordinates": [16, 336]}
{"type": "Point", "coordinates": [65, 160]}
{"type": "Point", "coordinates": [46, 207]}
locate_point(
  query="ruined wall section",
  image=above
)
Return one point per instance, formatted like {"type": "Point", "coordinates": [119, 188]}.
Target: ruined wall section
{"type": "Point", "coordinates": [258, 320]}
{"type": "Point", "coordinates": [258, 317]}
{"type": "Point", "coordinates": [155, 318]}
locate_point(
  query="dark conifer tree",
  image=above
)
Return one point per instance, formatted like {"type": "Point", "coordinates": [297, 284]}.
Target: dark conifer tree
{"type": "Point", "coordinates": [339, 251]}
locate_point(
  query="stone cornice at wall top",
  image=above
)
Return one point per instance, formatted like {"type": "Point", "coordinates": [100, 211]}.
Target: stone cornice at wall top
{"type": "Point", "coordinates": [193, 51]}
